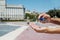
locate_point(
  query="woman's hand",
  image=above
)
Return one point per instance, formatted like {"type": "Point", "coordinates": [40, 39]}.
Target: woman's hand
{"type": "Point", "coordinates": [45, 29]}
{"type": "Point", "coordinates": [46, 16]}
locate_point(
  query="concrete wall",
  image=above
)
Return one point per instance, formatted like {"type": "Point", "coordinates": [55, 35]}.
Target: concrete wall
{"type": "Point", "coordinates": [12, 12]}
{"type": "Point", "coordinates": [2, 8]}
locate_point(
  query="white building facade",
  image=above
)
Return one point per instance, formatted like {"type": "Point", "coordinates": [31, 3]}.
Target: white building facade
{"type": "Point", "coordinates": [11, 12]}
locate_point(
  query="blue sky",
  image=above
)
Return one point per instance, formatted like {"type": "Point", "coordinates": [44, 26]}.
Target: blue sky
{"type": "Point", "coordinates": [39, 5]}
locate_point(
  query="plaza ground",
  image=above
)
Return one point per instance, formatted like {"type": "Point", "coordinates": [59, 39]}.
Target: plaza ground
{"type": "Point", "coordinates": [29, 34]}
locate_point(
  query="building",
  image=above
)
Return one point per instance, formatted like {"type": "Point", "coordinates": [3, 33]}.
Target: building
{"type": "Point", "coordinates": [11, 12]}
{"type": "Point", "coordinates": [28, 11]}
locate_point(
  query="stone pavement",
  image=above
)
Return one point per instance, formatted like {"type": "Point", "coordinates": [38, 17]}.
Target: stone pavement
{"type": "Point", "coordinates": [30, 34]}
{"type": "Point", "coordinates": [19, 23]}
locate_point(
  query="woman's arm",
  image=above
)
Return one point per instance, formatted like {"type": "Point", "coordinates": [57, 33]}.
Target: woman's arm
{"type": "Point", "coordinates": [55, 20]}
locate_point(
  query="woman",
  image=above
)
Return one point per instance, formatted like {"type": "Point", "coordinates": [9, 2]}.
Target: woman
{"type": "Point", "coordinates": [46, 29]}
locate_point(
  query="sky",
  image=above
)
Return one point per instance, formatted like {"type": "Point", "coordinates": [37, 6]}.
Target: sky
{"type": "Point", "coordinates": [38, 5]}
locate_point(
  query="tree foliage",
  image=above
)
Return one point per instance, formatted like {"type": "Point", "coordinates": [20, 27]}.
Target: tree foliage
{"type": "Point", "coordinates": [31, 16]}
{"type": "Point", "coordinates": [58, 13]}
{"type": "Point", "coordinates": [54, 12]}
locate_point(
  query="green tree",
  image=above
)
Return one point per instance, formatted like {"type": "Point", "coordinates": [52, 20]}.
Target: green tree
{"type": "Point", "coordinates": [54, 12]}
{"type": "Point", "coordinates": [31, 16]}
{"type": "Point", "coordinates": [51, 13]}
{"type": "Point", "coordinates": [58, 13]}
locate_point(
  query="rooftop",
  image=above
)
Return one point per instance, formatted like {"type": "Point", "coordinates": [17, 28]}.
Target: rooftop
{"type": "Point", "coordinates": [19, 6]}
